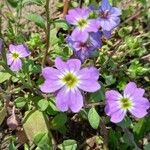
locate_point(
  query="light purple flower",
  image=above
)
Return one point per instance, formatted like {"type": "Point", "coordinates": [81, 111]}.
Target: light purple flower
{"type": "Point", "coordinates": [132, 100]}
{"type": "Point", "coordinates": [109, 16]}
{"type": "Point", "coordinates": [69, 80]}
{"type": "Point", "coordinates": [84, 49]}
{"type": "Point", "coordinates": [16, 52]}
{"type": "Point", "coordinates": [79, 17]}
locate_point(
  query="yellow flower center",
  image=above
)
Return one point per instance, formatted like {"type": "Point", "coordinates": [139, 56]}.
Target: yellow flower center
{"type": "Point", "coordinates": [70, 80]}
{"type": "Point", "coordinates": [15, 55]}
{"type": "Point", "coordinates": [82, 23]}
{"type": "Point", "coordinates": [126, 103]}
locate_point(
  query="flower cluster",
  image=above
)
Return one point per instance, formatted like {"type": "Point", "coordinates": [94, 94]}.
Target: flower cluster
{"type": "Point", "coordinates": [87, 33]}
{"type": "Point", "coordinates": [132, 100]}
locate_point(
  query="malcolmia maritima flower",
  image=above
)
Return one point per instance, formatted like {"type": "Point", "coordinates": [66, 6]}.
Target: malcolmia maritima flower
{"type": "Point", "coordinates": [85, 49]}
{"type": "Point", "coordinates": [79, 17]}
{"type": "Point", "coordinates": [69, 80]}
{"type": "Point", "coordinates": [132, 100]}
{"type": "Point", "coordinates": [108, 16]}
{"type": "Point", "coordinates": [15, 54]}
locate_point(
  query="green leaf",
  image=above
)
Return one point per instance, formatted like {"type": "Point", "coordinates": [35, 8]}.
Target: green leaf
{"type": "Point", "coordinates": [113, 139]}
{"type": "Point", "coordinates": [147, 147]}
{"type": "Point", "coordinates": [99, 95]}
{"type": "Point", "coordinates": [52, 109]}
{"type": "Point", "coordinates": [20, 102]}
{"type": "Point", "coordinates": [61, 24]}
{"type": "Point", "coordinates": [3, 114]}
{"type": "Point", "coordinates": [110, 79]}
{"type": "Point", "coordinates": [41, 138]}
{"type": "Point", "coordinates": [141, 127]}
{"type": "Point", "coordinates": [12, 146]}
{"type": "Point", "coordinates": [59, 121]}
{"type": "Point", "coordinates": [37, 19]}
{"type": "Point", "coordinates": [4, 76]}
{"type": "Point", "coordinates": [37, 2]}
{"type": "Point", "coordinates": [128, 138]}
{"type": "Point", "coordinates": [43, 104]}
{"type": "Point", "coordinates": [68, 145]}
{"type": "Point", "coordinates": [54, 39]}
{"type": "Point", "coordinates": [125, 123]}
{"type": "Point", "coordinates": [94, 118]}
{"type": "Point", "coordinates": [26, 147]}
{"type": "Point", "coordinates": [36, 122]}
{"type": "Point", "coordinates": [13, 3]}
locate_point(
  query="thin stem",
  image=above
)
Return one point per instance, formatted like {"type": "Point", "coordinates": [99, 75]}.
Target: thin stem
{"type": "Point", "coordinates": [105, 134]}
{"type": "Point", "coordinates": [65, 9]}
{"type": "Point", "coordinates": [94, 104]}
{"type": "Point", "coordinates": [80, 3]}
{"type": "Point", "coordinates": [47, 32]}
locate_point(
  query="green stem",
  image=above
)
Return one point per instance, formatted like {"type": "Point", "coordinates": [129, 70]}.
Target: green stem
{"type": "Point", "coordinates": [47, 32]}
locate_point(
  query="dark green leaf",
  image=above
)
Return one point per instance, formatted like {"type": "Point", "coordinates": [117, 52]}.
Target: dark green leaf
{"type": "Point", "coordinates": [13, 3]}
{"type": "Point", "coordinates": [141, 127]}
{"type": "Point", "coordinates": [125, 123]}
{"type": "Point", "coordinates": [59, 120]}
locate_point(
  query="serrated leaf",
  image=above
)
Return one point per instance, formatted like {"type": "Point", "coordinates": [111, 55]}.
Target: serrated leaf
{"type": "Point", "coordinates": [20, 102]}
{"type": "Point", "coordinates": [37, 19]}
{"type": "Point", "coordinates": [68, 145]}
{"type": "Point", "coordinates": [94, 118]}
{"type": "Point", "coordinates": [4, 76]}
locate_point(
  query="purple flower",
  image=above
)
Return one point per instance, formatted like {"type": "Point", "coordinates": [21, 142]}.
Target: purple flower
{"type": "Point", "coordinates": [132, 100]}
{"type": "Point", "coordinates": [109, 16]}
{"type": "Point", "coordinates": [79, 18]}
{"type": "Point", "coordinates": [84, 49]}
{"type": "Point", "coordinates": [16, 52]}
{"type": "Point", "coordinates": [68, 79]}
